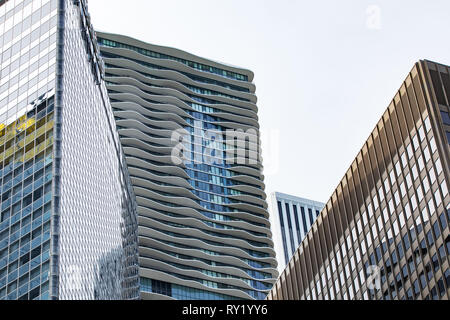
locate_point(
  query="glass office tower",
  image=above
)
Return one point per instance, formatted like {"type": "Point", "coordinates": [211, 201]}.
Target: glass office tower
{"type": "Point", "coordinates": [204, 231]}
{"type": "Point", "coordinates": [291, 219]}
{"type": "Point", "coordinates": [384, 233]}
{"type": "Point", "coordinates": [68, 224]}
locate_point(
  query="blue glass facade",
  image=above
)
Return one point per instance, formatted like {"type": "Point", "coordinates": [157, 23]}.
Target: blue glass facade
{"type": "Point", "coordinates": [26, 190]}
{"type": "Point", "coordinates": [68, 223]}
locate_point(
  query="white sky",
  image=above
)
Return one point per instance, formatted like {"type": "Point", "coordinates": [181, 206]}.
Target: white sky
{"type": "Point", "coordinates": [325, 71]}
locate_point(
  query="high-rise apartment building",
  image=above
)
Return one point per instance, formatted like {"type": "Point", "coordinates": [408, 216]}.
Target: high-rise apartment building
{"type": "Point", "coordinates": [68, 223]}
{"type": "Point", "coordinates": [290, 219]}
{"type": "Point", "coordinates": [204, 231]}
{"type": "Point", "coordinates": [384, 233]}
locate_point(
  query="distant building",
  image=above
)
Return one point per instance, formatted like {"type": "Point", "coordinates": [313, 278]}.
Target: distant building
{"type": "Point", "coordinates": [291, 219]}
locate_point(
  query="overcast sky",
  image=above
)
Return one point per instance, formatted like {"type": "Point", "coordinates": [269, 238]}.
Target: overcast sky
{"type": "Point", "coordinates": [325, 71]}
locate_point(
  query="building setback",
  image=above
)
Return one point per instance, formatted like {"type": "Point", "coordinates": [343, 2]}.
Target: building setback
{"type": "Point", "coordinates": [384, 232]}
{"type": "Point", "coordinates": [68, 223]}
{"type": "Point", "coordinates": [204, 231]}
{"type": "Point", "coordinates": [291, 219]}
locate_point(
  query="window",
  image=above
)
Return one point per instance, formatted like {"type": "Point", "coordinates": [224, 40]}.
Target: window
{"type": "Point", "coordinates": [311, 219]}
{"type": "Point", "coordinates": [392, 178]}
{"type": "Point", "coordinates": [427, 124]}
{"type": "Point", "coordinates": [441, 287]}
{"type": "Point", "coordinates": [358, 256]}
{"type": "Point", "coordinates": [395, 227]}
{"type": "Point", "coordinates": [426, 184]}
{"type": "Point", "coordinates": [432, 176]}
{"type": "Point", "coordinates": [363, 247]}
{"type": "Point", "coordinates": [409, 294]}
{"type": "Point", "coordinates": [423, 282]}
{"type": "Point", "coordinates": [413, 202]}
{"type": "Point", "coordinates": [410, 151]}
{"type": "Point", "coordinates": [426, 153]}
{"type": "Point", "coordinates": [364, 218]}
{"type": "Point", "coordinates": [443, 221]}
{"type": "Point", "coordinates": [396, 198]}
{"type": "Point", "coordinates": [419, 194]}
{"type": "Point", "coordinates": [402, 189]}
{"type": "Point", "coordinates": [359, 227]}
{"type": "Point", "coordinates": [416, 288]}
{"type": "Point", "coordinates": [444, 188]}
{"type": "Point", "coordinates": [333, 265]}
{"type": "Point", "coordinates": [380, 193]}
{"type": "Point", "coordinates": [445, 118]}
{"type": "Point", "coordinates": [415, 142]}
{"type": "Point", "coordinates": [302, 209]}
{"type": "Point", "coordinates": [401, 219]}
{"type": "Point", "coordinates": [408, 181]}
{"type": "Point", "coordinates": [431, 206]}
{"type": "Point", "coordinates": [435, 261]}
{"type": "Point", "coordinates": [414, 172]}
{"type": "Point", "coordinates": [375, 202]}
{"type": "Point", "coordinates": [438, 166]}
{"type": "Point", "coordinates": [420, 162]}
{"type": "Point", "coordinates": [369, 211]}
{"type": "Point", "coordinates": [403, 158]}
{"type": "Point", "coordinates": [421, 133]}
{"type": "Point", "coordinates": [398, 170]}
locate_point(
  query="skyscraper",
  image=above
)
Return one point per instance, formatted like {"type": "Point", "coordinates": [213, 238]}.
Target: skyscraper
{"type": "Point", "coordinates": [384, 233]}
{"type": "Point", "coordinates": [68, 224]}
{"type": "Point", "coordinates": [204, 231]}
{"type": "Point", "coordinates": [291, 219]}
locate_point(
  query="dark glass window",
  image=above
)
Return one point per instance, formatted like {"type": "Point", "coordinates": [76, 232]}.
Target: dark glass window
{"type": "Point", "coordinates": [434, 294]}
{"type": "Point", "coordinates": [442, 252]}
{"type": "Point", "coordinates": [441, 287]}
{"type": "Point", "coordinates": [435, 262]}
{"type": "Point", "coordinates": [429, 271]}
{"type": "Point", "coordinates": [437, 231]}
{"type": "Point", "coordinates": [409, 294]}
{"type": "Point", "coordinates": [447, 277]}
{"type": "Point", "coordinates": [283, 235]}
{"type": "Point", "coordinates": [423, 282]}
{"type": "Point", "coordinates": [446, 82]}
{"type": "Point", "coordinates": [398, 279]}
{"type": "Point", "coordinates": [430, 238]}
{"type": "Point", "coordinates": [280, 212]}
{"type": "Point", "coordinates": [406, 241]}
{"type": "Point", "coordinates": [372, 259]}
{"type": "Point", "coordinates": [311, 219]}
{"type": "Point", "coordinates": [412, 267]}
{"type": "Point", "coordinates": [162, 287]}
{"type": "Point", "coordinates": [445, 118]}
{"type": "Point", "coordinates": [288, 215]}
{"type": "Point", "coordinates": [304, 219]}
{"type": "Point", "coordinates": [405, 272]}
{"type": "Point", "coordinates": [437, 87]}
{"type": "Point", "coordinates": [400, 250]}
{"type": "Point", "coordinates": [297, 225]}
{"type": "Point", "coordinates": [291, 235]}
{"type": "Point", "coordinates": [443, 221]}
{"type": "Point", "coordinates": [416, 288]}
